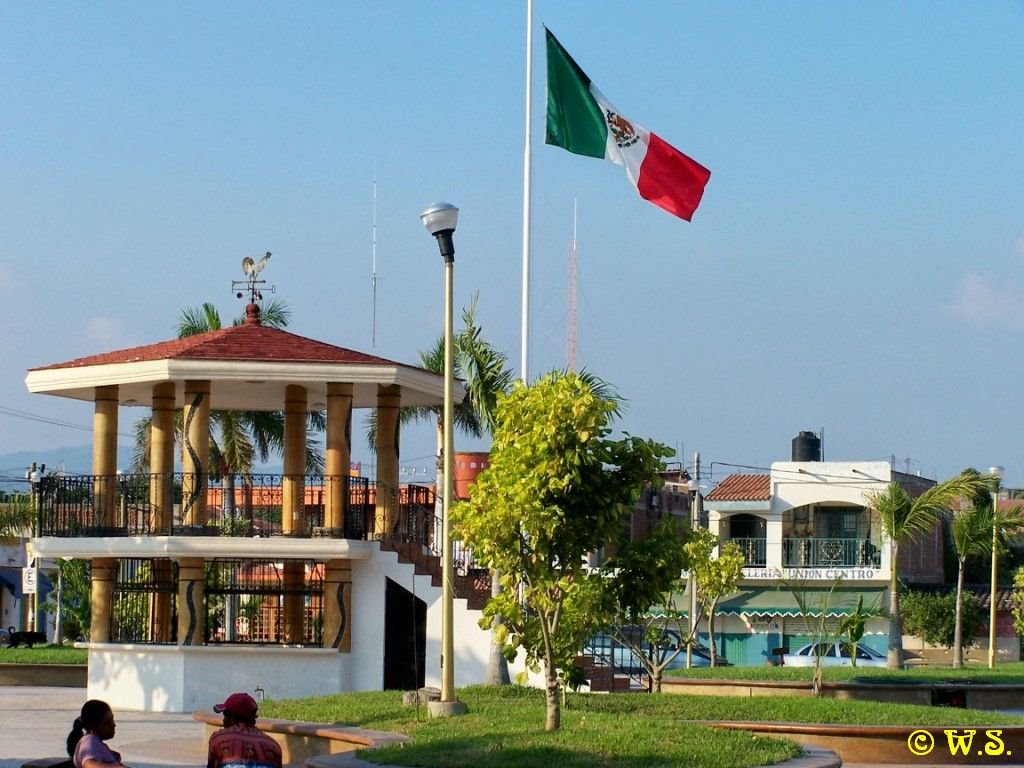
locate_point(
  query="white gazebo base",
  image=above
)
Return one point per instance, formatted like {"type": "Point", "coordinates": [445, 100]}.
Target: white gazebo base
{"type": "Point", "coordinates": [170, 678]}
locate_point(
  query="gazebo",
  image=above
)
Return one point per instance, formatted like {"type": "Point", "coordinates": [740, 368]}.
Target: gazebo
{"type": "Point", "coordinates": [294, 584]}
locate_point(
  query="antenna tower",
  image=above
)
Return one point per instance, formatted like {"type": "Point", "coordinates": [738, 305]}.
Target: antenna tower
{"type": "Point", "coordinates": [373, 276]}
{"type": "Point", "coordinates": [571, 320]}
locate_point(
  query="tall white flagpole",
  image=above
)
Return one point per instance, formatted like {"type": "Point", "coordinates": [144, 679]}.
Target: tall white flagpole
{"type": "Point", "coordinates": [524, 365]}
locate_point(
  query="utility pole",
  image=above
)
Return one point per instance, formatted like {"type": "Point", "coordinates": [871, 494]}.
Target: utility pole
{"type": "Point", "coordinates": [34, 474]}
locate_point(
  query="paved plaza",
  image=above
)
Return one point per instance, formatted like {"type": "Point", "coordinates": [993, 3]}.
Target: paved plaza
{"type": "Point", "coordinates": [36, 721]}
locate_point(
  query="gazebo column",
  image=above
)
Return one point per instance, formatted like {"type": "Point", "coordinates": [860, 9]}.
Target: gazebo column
{"type": "Point", "coordinates": [104, 470]}
{"type": "Point", "coordinates": [195, 453]}
{"type": "Point", "coordinates": [293, 482]}
{"type": "Point", "coordinates": [161, 468]}
{"type": "Point", "coordinates": [191, 601]}
{"type": "Point", "coordinates": [293, 516]}
{"type": "Point", "coordinates": [104, 455]}
{"type": "Point", "coordinates": [338, 457]}
{"type": "Point", "coordinates": [389, 398]}
{"type": "Point", "coordinates": [161, 458]}
{"type": "Point", "coordinates": [101, 595]}
{"type": "Point", "coordinates": [338, 605]}
{"type": "Point", "coordinates": [294, 583]}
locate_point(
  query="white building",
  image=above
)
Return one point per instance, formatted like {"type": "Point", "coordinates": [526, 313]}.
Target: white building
{"type": "Point", "coordinates": [806, 527]}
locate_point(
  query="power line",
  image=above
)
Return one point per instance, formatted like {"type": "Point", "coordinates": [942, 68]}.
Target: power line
{"type": "Point", "coordinates": [4, 411]}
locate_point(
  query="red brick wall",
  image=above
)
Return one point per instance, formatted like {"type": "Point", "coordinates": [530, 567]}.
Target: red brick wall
{"type": "Point", "coordinates": [920, 558]}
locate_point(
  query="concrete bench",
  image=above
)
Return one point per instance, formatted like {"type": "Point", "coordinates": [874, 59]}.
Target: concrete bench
{"type": "Point", "coordinates": [318, 745]}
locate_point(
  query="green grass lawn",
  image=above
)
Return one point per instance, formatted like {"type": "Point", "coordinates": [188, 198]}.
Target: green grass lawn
{"type": "Point", "coordinates": [44, 654]}
{"type": "Point", "coordinates": [505, 726]}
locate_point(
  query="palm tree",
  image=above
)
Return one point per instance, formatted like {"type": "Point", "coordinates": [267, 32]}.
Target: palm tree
{"type": "Point", "coordinates": [971, 531]}
{"type": "Point", "coordinates": [484, 370]}
{"type": "Point", "coordinates": [240, 436]}
{"type": "Point", "coordinates": [905, 518]}
{"type": "Point", "coordinates": [16, 516]}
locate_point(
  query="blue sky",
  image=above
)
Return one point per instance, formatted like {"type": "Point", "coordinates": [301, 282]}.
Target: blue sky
{"type": "Point", "coordinates": [855, 267]}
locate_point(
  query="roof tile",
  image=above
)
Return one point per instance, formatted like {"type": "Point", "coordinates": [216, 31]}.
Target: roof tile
{"type": "Point", "coordinates": [742, 487]}
{"type": "Point", "coordinates": [239, 343]}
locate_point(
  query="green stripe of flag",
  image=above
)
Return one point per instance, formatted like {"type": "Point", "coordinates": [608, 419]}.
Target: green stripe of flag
{"type": "Point", "coordinates": [575, 121]}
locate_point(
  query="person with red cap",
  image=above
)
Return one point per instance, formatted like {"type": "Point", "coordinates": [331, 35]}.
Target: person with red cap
{"type": "Point", "coordinates": [240, 744]}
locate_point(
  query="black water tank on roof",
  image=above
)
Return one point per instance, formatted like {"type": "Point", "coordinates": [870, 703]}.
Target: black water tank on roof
{"type": "Point", "coordinates": [806, 447]}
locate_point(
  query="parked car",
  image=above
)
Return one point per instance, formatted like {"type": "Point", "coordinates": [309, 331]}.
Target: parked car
{"type": "Point", "coordinates": [606, 648]}
{"type": "Point", "coordinates": [834, 654]}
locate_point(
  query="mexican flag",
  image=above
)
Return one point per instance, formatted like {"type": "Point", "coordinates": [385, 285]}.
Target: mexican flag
{"type": "Point", "coordinates": [581, 120]}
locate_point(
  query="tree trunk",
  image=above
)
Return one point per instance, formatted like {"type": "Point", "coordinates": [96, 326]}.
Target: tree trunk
{"type": "Point", "coordinates": [228, 507]}
{"type": "Point", "coordinates": [895, 653]}
{"type": "Point", "coordinates": [817, 678]}
{"type": "Point", "coordinates": [711, 636]}
{"type": "Point", "coordinates": [554, 714]}
{"type": "Point", "coordinates": [958, 640]}
{"type": "Point", "coordinates": [656, 680]}
{"type": "Point", "coordinates": [497, 664]}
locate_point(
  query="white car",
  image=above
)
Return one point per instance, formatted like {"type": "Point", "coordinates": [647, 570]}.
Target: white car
{"type": "Point", "coordinates": [622, 658]}
{"type": "Point", "coordinates": [834, 654]}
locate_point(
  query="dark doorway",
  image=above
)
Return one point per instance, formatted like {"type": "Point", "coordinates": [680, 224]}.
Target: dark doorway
{"type": "Point", "coordinates": [405, 639]}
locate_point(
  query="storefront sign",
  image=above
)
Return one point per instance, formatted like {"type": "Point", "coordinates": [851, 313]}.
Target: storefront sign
{"type": "Point", "coordinates": [814, 574]}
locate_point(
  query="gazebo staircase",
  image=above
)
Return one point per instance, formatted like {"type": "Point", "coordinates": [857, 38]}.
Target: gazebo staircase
{"type": "Point", "coordinates": [471, 584]}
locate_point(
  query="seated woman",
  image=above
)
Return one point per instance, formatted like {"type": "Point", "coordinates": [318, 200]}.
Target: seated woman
{"type": "Point", "coordinates": [87, 740]}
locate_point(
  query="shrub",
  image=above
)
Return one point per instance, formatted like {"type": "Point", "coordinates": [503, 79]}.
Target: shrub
{"type": "Point", "coordinates": [932, 616]}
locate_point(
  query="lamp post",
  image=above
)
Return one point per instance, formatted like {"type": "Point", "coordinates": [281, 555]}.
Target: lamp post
{"type": "Point", "coordinates": [440, 219]}
{"type": "Point", "coordinates": [997, 474]}
{"type": "Point", "coordinates": [691, 583]}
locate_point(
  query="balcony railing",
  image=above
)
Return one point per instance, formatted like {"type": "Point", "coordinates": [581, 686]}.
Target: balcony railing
{"type": "Point", "coordinates": [240, 505]}
{"type": "Point", "coordinates": [755, 551]}
{"type": "Point", "coordinates": [834, 552]}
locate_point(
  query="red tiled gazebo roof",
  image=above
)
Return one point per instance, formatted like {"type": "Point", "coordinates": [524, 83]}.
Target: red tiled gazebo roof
{"type": "Point", "coordinates": [248, 365]}
{"type": "Point", "coordinates": [248, 343]}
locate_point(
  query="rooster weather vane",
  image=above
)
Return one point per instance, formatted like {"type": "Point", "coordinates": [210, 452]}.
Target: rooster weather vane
{"type": "Point", "coordinates": [255, 287]}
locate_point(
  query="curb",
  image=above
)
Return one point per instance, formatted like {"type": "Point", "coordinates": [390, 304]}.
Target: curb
{"type": "Point", "coordinates": [813, 757]}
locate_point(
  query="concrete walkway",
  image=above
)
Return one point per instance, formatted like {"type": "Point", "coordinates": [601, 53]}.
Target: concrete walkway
{"type": "Point", "coordinates": [36, 721]}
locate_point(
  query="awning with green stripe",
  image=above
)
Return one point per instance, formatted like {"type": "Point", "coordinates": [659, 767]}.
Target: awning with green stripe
{"type": "Point", "coordinates": [779, 601]}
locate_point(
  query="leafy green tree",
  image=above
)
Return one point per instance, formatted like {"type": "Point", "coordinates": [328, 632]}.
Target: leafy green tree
{"type": "Point", "coordinates": [905, 518]}
{"type": "Point", "coordinates": [642, 581]}
{"type": "Point", "coordinates": [1017, 601]}
{"type": "Point", "coordinates": [76, 614]}
{"type": "Point", "coordinates": [558, 487]}
{"type": "Point", "coordinates": [931, 617]}
{"type": "Point", "coordinates": [716, 577]}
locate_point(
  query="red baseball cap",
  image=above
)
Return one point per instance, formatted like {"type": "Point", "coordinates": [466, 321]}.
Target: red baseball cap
{"type": "Point", "coordinates": [238, 704]}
